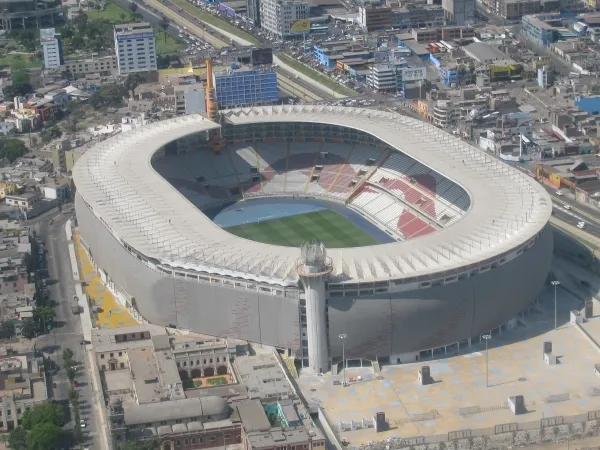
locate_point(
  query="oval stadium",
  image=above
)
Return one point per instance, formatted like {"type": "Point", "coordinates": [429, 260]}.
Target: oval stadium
{"type": "Point", "coordinates": [309, 227]}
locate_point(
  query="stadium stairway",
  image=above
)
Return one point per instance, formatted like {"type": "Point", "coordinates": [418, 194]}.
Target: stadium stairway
{"type": "Point", "coordinates": [342, 167]}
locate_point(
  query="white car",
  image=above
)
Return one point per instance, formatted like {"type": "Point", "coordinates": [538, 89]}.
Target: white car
{"type": "Point", "coordinates": [567, 207]}
{"type": "Point", "coordinates": [559, 193]}
{"type": "Point", "coordinates": [581, 225]}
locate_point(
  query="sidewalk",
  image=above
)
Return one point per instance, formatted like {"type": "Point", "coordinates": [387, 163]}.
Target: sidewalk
{"type": "Point", "coordinates": [86, 326]}
{"type": "Point", "coordinates": [110, 313]}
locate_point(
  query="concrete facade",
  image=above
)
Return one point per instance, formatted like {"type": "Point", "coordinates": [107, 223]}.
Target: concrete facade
{"type": "Point", "coordinates": [391, 325]}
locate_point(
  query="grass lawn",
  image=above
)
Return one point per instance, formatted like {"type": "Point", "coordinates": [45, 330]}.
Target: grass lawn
{"type": "Point", "coordinates": [216, 381]}
{"type": "Point", "coordinates": [112, 13]}
{"type": "Point", "coordinates": [170, 46]}
{"type": "Point", "coordinates": [214, 21]}
{"type": "Point", "coordinates": [332, 228]}
{"type": "Point", "coordinates": [317, 76]}
{"type": "Point", "coordinates": [19, 62]}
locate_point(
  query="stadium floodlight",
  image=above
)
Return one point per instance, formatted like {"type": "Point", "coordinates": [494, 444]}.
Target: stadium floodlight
{"type": "Point", "coordinates": [555, 283]}
{"type": "Point", "coordinates": [486, 338]}
{"type": "Point", "coordinates": [343, 337]}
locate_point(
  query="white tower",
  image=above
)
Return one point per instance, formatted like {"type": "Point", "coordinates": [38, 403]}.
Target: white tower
{"type": "Point", "coordinates": [313, 269]}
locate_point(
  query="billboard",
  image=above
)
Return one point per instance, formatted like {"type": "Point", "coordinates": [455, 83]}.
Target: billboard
{"type": "Point", "coordinates": [413, 74]}
{"type": "Point", "coordinates": [262, 56]}
{"type": "Point", "coordinates": [300, 26]}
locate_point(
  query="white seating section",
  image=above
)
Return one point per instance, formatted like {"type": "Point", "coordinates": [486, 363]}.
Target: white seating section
{"type": "Point", "coordinates": [404, 196]}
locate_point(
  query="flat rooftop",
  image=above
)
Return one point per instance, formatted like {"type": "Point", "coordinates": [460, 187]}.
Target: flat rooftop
{"type": "Point", "coordinates": [262, 375]}
{"type": "Point", "coordinates": [516, 367]}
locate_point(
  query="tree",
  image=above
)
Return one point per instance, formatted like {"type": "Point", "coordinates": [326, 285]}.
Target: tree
{"type": "Point", "coordinates": [28, 328]}
{"type": "Point", "coordinates": [20, 84]}
{"type": "Point", "coordinates": [74, 396]}
{"type": "Point", "coordinates": [17, 439]}
{"type": "Point", "coordinates": [7, 329]}
{"type": "Point", "coordinates": [11, 148]}
{"type": "Point", "coordinates": [45, 436]}
{"type": "Point", "coordinates": [123, 16]}
{"type": "Point", "coordinates": [71, 374]}
{"type": "Point", "coordinates": [143, 445]}
{"type": "Point", "coordinates": [43, 413]}
{"type": "Point", "coordinates": [164, 24]}
{"type": "Point", "coordinates": [133, 7]}
{"type": "Point", "coordinates": [44, 315]}
{"type": "Point", "coordinates": [132, 81]}
{"type": "Point", "coordinates": [109, 95]}
{"type": "Point", "coordinates": [67, 356]}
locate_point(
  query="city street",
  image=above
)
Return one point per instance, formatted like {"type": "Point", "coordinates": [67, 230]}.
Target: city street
{"type": "Point", "coordinates": [67, 332]}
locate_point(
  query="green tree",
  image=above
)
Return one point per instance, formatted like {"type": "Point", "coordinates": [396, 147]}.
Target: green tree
{"type": "Point", "coordinates": [140, 445]}
{"type": "Point", "coordinates": [164, 24]}
{"type": "Point", "coordinates": [132, 81]}
{"type": "Point", "coordinates": [74, 396]}
{"type": "Point", "coordinates": [67, 356]}
{"type": "Point", "coordinates": [7, 329]}
{"type": "Point", "coordinates": [133, 7]}
{"type": "Point", "coordinates": [43, 413]}
{"type": "Point", "coordinates": [45, 436]}
{"type": "Point", "coordinates": [17, 439]}
{"type": "Point", "coordinates": [20, 84]}
{"type": "Point", "coordinates": [28, 328]}
{"type": "Point", "coordinates": [44, 315]}
{"type": "Point", "coordinates": [123, 16]}
{"type": "Point", "coordinates": [71, 374]}
{"type": "Point", "coordinates": [11, 148]}
{"type": "Point", "coordinates": [109, 95]}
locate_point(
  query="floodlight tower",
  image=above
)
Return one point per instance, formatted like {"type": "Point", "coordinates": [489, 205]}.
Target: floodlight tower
{"type": "Point", "coordinates": [313, 269]}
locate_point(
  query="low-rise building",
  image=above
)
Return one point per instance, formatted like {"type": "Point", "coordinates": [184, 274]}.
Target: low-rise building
{"type": "Point", "coordinates": [436, 34]}
{"type": "Point", "coordinates": [103, 65]}
{"type": "Point", "coordinates": [22, 383]}
{"type": "Point", "coordinates": [26, 201]}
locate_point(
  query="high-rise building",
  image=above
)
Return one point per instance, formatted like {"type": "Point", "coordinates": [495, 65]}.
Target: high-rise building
{"type": "Point", "coordinates": [253, 11]}
{"type": "Point", "coordinates": [244, 87]}
{"type": "Point", "coordinates": [285, 19]}
{"type": "Point", "coordinates": [373, 18]}
{"type": "Point", "coordinates": [382, 77]}
{"type": "Point", "coordinates": [135, 48]}
{"type": "Point", "coordinates": [459, 12]}
{"type": "Point", "coordinates": [52, 48]}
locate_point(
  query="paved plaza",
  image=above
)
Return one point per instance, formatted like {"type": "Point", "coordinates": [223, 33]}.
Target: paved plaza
{"type": "Point", "coordinates": [516, 367]}
{"type": "Point", "coordinates": [111, 314]}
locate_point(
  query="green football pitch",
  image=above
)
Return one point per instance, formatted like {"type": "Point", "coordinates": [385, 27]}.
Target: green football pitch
{"type": "Point", "coordinates": [332, 228]}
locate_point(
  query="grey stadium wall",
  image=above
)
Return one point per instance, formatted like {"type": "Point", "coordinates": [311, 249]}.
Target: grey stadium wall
{"type": "Point", "coordinates": [389, 324]}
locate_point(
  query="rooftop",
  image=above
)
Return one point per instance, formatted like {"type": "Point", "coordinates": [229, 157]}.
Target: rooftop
{"type": "Point", "coordinates": [263, 376]}
{"type": "Point", "coordinates": [507, 208]}
{"type": "Point", "coordinates": [178, 409]}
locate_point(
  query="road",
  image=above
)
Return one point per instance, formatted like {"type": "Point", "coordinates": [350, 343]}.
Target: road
{"type": "Point", "coordinates": [67, 332]}
{"type": "Point", "coordinates": [185, 19]}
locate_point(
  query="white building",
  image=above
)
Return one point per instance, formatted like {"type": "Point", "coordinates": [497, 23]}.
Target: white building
{"type": "Point", "coordinates": [135, 48]}
{"type": "Point", "coordinates": [382, 77]}
{"type": "Point", "coordinates": [52, 48]}
{"type": "Point", "coordinates": [285, 19]}
{"type": "Point", "coordinates": [56, 190]}
{"type": "Point", "coordinates": [189, 99]}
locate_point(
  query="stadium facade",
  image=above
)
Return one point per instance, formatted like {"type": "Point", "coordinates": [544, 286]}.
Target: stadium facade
{"type": "Point", "coordinates": [473, 254]}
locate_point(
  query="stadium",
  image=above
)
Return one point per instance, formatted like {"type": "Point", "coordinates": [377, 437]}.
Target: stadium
{"type": "Point", "coordinates": [413, 242]}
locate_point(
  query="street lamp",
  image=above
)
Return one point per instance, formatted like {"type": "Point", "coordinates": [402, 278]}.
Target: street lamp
{"type": "Point", "coordinates": [555, 283]}
{"type": "Point", "coordinates": [486, 338]}
{"type": "Point", "coordinates": [343, 337]}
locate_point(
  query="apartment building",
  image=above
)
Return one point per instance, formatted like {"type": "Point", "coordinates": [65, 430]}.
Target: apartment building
{"type": "Point", "coordinates": [135, 48]}
{"type": "Point", "coordinates": [382, 77]}
{"type": "Point", "coordinates": [374, 18]}
{"type": "Point", "coordinates": [417, 16]}
{"type": "Point", "coordinates": [459, 12]}
{"type": "Point", "coordinates": [425, 35]}
{"type": "Point", "coordinates": [103, 65]}
{"type": "Point", "coordinates": [285, 19]}
{"type": "Point", "coordinates": [51, 48]}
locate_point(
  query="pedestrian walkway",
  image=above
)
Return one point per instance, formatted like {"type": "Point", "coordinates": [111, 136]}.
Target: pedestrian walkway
{"type": "Point", "coordinates": [109, 313]}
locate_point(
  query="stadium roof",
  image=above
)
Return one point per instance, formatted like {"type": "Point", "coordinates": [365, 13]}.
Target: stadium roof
{"type": "Point", "coordinates": [142, 209]}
